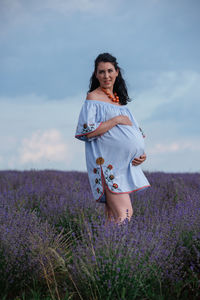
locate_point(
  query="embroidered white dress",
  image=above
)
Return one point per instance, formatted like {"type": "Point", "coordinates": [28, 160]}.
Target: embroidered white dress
{"type": "Point", "coordinates": [111, 154]}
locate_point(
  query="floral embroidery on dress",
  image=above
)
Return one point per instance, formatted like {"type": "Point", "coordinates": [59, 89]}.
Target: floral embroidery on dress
{"type": "Point", "coordinates": [88, 128]}
{"type": "Point", "coordinates": [98, 181]}
{"type": "Point", "coordinates": [109, 177]}
{"type": "Point", "coordinates": [100, 161]}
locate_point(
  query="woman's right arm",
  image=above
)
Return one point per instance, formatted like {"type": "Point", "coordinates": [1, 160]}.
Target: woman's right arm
{"type": "Point", "coordinates": [107, 125]}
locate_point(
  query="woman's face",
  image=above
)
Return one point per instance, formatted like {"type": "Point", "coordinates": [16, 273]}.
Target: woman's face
{"type": "Point", "coordinates": [106, 74]}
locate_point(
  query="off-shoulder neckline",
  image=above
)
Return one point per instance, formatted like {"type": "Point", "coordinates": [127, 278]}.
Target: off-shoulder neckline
{"type": "Point", "coordinates": [103, 102]}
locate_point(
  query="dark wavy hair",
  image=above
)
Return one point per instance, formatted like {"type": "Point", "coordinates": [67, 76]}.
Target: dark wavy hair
{"type": "Point", "coordinates": [119, 85]}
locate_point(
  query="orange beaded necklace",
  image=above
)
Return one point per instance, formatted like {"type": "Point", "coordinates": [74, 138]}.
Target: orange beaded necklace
{"type": "Point", "coordinates": [114, 99]}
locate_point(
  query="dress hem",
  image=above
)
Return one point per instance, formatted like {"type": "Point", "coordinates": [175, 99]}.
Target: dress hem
{"type": "Point", "coordinates": [135, 190]}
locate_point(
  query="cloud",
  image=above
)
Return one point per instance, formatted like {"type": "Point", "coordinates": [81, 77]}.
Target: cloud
{"type": "Point", "coordinates": [164, 88]}
{"type": "Point", "coordinates": [18, 11]}
{"type": "Point", "coordinates": [173, 157]}
{"type": "Point", "coordinates": [46, 145]}
{"type": "Point", "coordinates": [172, 100]}
{"type": "Point", "coordinates": [38, 112]}
{"type": "Point", "coordinates": [66, 7]}
{"type": "Point", "coordinates": [174, 147]}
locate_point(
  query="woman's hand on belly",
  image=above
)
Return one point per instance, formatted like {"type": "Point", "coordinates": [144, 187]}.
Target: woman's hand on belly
{"type": "Point", "coordinates": [139, 160]}
{"type": "Point", "coordinates": [123, 120]}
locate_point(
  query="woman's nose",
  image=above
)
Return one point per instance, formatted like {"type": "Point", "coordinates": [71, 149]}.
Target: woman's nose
{"type": "Point", "coordinates": [106, 74]}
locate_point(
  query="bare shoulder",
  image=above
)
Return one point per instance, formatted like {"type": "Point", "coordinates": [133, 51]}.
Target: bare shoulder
{"type": "Point", "coordinates": [94, 95]}
{"type": "Point", "coordinates": [90, 96]}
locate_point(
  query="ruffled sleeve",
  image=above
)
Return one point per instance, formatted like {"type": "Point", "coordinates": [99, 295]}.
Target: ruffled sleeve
{"type": "Point", "coordinates": [88, 121]}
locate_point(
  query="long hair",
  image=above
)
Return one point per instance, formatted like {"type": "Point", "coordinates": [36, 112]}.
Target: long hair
{"type": "Point", "coordinates": [119, 85]}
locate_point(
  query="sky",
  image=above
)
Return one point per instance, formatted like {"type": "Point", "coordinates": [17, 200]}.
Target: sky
{"type": "Point", "coordinates": [47, 53]}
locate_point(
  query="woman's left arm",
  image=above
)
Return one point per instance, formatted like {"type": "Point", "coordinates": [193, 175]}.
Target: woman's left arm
{"type": "Point", "coordinates": [139, 160]}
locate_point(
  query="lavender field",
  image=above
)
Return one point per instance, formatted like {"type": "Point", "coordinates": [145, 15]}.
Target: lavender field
{"type": "Point", "coordinates": [55, 244]}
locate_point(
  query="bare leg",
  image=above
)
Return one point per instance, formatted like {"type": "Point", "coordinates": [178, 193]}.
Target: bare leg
{"type": "Point", "coordinates": [120, 206]}
{"type": "Point", "coordinates": [108, 213]}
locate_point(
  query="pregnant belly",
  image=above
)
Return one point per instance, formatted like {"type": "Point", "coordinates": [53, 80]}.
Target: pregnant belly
{"type": "Point", "coordinates": [126, 140]}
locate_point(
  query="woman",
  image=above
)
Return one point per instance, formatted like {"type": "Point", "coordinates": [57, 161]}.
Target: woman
{"type": "Point", "coordinates": [114, 141]}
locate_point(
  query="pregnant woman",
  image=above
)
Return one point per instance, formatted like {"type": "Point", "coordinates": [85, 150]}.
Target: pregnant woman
{"type": "Point", "coordinates": [114, 142]}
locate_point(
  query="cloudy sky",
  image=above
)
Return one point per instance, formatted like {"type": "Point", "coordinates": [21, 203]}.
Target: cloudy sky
{"type": "Point", "coordinates": [47, 53]}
